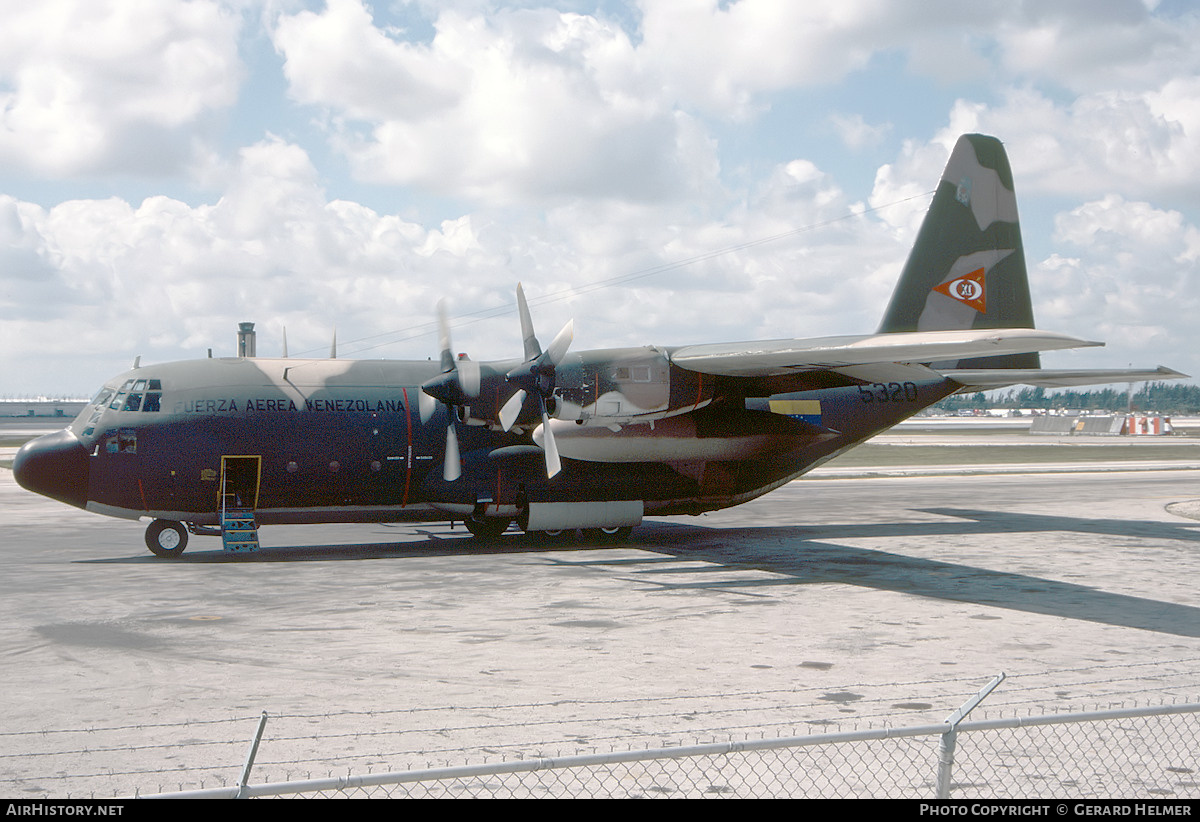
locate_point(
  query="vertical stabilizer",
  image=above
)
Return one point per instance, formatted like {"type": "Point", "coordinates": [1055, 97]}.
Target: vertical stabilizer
{"type": "Point", "coordinates": [967, 268]}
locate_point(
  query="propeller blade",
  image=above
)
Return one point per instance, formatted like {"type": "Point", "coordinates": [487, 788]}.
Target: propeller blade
{"type": "Point", "coordinates": [451, 468]}
{"type": "Point", "coordinates": [560, 344]}
{"type": "Point", "coordinates": [553, 464]}
{"type": "Point", "coordinates": [512, 409]}
{"type": "Point", "coordinates": [533, 349]}
{"type": "Point", "coordinates": [468, 377]}
{"type": "Point", "coordinates": [427, 405]}
{"type": "Point", "coordinates": [444, 335]}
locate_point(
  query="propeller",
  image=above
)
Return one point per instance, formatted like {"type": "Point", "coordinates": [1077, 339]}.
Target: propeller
{"type": "Point", "coordinates": [536, 376]}
{"type": "Point", "coordinates": [458, 383]}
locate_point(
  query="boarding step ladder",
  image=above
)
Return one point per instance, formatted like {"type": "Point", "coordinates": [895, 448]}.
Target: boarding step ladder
{"type": "Point", "coordinates": [239, 534]}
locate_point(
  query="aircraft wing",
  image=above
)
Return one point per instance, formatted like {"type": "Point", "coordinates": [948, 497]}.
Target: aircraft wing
{"type": "Point", "coordinates": [773, 357]}
{"type": "Point", "coordinates": [985, 379]}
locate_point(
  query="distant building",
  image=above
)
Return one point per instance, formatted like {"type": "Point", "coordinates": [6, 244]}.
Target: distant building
{"type": "Point", "coordinates": [1110, 425]}
{"type": "Point", "coordinates": [41, 408]}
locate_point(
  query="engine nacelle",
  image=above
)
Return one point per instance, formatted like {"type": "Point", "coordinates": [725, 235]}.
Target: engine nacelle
{"type": "Point", "coordinates": [673, 439]}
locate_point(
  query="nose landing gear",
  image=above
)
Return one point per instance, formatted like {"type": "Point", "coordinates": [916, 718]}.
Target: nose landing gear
{"type": "Point", "coordinates": [166, 538]}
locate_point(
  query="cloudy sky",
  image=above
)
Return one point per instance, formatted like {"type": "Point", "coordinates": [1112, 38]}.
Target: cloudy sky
{"type": "Point", "coordinates": [662, 171]}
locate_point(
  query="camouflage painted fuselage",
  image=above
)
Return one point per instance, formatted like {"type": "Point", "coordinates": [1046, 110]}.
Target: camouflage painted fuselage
{"type": "Point", "coordinates": [343, 440]}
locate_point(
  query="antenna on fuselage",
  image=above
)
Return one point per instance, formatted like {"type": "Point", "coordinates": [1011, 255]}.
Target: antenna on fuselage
{"type": "Point", "coordinates": [333, 348]}
{"type": "Point", "coordinates": [285, 356]}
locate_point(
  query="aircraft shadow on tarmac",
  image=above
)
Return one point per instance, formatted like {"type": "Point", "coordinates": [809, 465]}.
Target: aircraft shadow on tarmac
{"type": "Point", "coordinates": [437, 543]}
{"type": "Point", "coordinates": [812, 554]}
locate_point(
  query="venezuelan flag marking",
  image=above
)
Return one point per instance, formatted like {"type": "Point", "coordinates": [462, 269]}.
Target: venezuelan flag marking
{"type": "Point", "coordinates": [807, 410]}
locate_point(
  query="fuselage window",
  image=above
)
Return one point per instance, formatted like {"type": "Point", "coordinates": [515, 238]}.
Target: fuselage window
{"type": "Point", "coordinates": [631, 373]}
{"type": "Point", "coordinates": [152, 402]}
{"type": "Point", "coordinates": [134, 402]}
{"type": "Point", "coordinates": [118, 401]}
{"type": "Point", "coordinates": [121, 442]}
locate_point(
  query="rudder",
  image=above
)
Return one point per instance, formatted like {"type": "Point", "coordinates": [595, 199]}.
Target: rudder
{"type": "Point", "coordinates": [967, 267]}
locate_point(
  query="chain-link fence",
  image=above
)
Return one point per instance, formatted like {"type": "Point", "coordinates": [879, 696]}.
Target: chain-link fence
{"type": "Point", "coordinates": [1127, 753]}
{"type": "Point", "coordinates": [813, 741]}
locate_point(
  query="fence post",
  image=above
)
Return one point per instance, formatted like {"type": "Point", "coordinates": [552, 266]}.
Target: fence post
{"type": "Point", "coordinates": [262, 723]}
{"type": "Point", "coordinates": [950, 737]}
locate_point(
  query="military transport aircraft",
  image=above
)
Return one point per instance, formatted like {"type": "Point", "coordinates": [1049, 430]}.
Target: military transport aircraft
{"type": "Point", "coordinates": [559, 440]}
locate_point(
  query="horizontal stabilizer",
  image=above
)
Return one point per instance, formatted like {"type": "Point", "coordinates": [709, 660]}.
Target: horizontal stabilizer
{"type": "Point", "coordinates": [988, 378]}
{"type": "Point", "coordinates": [770, 357]}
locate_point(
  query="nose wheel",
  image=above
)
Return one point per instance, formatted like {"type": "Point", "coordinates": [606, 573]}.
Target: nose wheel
{"type": "Point", "coordinates": [166, 538]}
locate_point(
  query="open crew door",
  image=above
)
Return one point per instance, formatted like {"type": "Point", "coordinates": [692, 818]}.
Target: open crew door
{"type": "Point", "coordinates": [239, 497]}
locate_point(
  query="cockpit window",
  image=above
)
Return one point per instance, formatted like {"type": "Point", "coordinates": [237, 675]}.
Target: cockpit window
{"type": "Point", "coordinates": [134, 395]}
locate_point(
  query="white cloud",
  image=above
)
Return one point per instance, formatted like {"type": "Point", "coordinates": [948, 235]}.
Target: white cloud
{"type": "Point", "coordinates": [1097, 47]}
{"type": "Point", "coordinates": [720, 57]}
{"type": "Point", "coordinates": [1133, 278]}
{"type": "Point", "coordinates": [857, 133]}
{"type": "Point", "coordinates": [515, 106]}
{"type": "Point", "coordinates": [572, 149]}
{"type": "Point", "coordinates": [118, 86]}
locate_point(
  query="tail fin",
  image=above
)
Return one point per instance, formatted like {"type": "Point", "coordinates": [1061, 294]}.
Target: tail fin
{"type": "Point", "coordinates": [967, 268]}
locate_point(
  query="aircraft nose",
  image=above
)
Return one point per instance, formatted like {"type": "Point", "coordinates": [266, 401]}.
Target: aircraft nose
{"type": "Point", "coordinates": [56, 466]}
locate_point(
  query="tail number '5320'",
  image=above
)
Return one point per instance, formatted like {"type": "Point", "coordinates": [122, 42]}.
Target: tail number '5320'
{"type": "Point", "coordinates": [888, 392]}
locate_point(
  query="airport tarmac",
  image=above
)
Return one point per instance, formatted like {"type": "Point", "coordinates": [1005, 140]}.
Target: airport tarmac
{"type": "Point", "coordinates": [838, 601]}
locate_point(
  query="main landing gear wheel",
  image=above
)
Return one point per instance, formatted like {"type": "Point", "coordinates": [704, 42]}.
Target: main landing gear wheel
{"type": "Point", "coordinates": [487, 530]}
{"type": "Point", "coordinates": [166, 538]}
{"type": "Point", "coordinates": [555, 536]}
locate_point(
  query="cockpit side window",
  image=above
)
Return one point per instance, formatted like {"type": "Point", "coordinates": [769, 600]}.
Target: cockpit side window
{"type": "Point", "coordinates": [133, 395]}
{"type": "Point", "coordinates": [153, 398]}
{"type": "Point", "coordinates": [123, 441]}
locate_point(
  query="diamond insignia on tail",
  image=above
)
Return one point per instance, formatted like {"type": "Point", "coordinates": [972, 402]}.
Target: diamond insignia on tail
{"type": "Point", "coordinates": [969, 288]}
